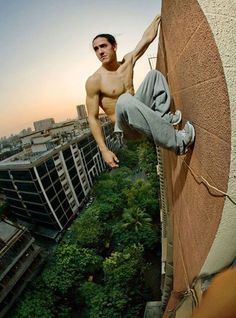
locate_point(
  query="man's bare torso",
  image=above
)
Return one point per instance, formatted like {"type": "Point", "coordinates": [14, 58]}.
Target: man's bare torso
{"type": "Point", "coordinates": [112, 84]}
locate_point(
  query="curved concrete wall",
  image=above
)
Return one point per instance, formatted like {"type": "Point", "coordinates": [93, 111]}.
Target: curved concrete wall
{"type": "Point", "coordinates": [221, 17]}
{"type": "Point", "coordinates": [196, 53]}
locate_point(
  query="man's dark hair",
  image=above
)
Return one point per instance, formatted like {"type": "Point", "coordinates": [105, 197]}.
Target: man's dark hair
{"type": "Point", "coordinates": [110, 38]}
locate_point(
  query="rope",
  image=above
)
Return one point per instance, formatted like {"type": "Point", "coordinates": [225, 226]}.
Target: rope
{"type": "Point", "coordinates": [208, 185]}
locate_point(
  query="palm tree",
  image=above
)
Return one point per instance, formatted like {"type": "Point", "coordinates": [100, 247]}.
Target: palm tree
{"type": "Point", "coordinates": [135, 218]}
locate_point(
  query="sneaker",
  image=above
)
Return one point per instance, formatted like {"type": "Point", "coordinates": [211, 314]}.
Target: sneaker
{"type": "Point", "coordinates": [174, 119]}
{"type": "Point", "coordinates": [185, 138]}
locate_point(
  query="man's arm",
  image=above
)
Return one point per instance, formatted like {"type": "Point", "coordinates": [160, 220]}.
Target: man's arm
{"type": "Point", "coordinates": [147, 38]}
{"type": "Point", "coordinates": [92, 103]}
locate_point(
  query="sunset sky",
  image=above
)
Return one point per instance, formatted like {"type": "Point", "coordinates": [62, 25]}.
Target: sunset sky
{"type": "Point", "coordinates": [46, 53]}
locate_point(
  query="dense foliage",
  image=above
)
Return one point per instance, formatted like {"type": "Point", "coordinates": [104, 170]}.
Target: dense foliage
{"type": "Point", "coordinates": [98, 269]}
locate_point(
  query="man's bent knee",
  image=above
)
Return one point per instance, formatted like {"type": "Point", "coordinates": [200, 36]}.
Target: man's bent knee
{"type": "Point", "coordinates": [123, 102]}
{"type": "Point", "coordinates": [154, 73]}
{"type": "Point", "coordinates": [123, 99]}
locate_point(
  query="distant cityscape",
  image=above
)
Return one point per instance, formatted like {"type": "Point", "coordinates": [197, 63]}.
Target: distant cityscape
{"type": "Point", "coordinates": [12, 144]}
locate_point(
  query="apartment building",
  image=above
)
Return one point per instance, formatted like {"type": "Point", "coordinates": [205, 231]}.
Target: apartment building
{"type": "Point", "coordinates": [20, 259]}
{"type": "Point", "coordinates": [48, 187]}
{"type": "Point", "coordinates": [44, 124]}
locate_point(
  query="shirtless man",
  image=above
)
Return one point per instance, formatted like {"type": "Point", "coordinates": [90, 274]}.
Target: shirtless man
{"type": "Point", "coordinates": [146, 112]}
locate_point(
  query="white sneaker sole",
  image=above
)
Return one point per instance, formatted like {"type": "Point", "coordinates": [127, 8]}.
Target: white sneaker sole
{"type": "Point", "coordinates": [180, 117]}
{"type": "Point", "coordinates": [193, 135]}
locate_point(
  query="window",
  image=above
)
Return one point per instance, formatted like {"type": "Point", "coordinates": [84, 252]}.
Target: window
{"type": "Point", "coordinates": [81, 196]}
{"type": "Point", "coordinates": [83, 142]}
{"type": "Point", "coordinates": [50, 164]}
{"type": "Point", "coordinates": [41, 217]}
{"type": "Point", "coordinates": [15, 203]}
{"type": "Point", "coordinates": [73, 172]}
{"type": "Point", "coordinates": [57, 186]}
{"type": "Point", "coordinates": [26, 186]}
{"type": "Point", "coordinates": [37, 186]}
{"type": "Point", "coordinates": [65, 205]}
{"type": "Point", "coordinates": [4, 175]}
{"type": "Point", "coordinates": [36, 207]}
{"type": "Point", "coordinates": [32, 173]}
{"type": "Point", "coordinates": [42, 170]}
{"type": "Point", "coordinates": [30, 197]}
{"type": "Point", "coordinates": [90, 164]}
{"type": "Point", "coordinates": [46, 181]}
{"type": "Point", "coordinates": [61, 196]}
{"type": "Point", "coordinates": [21, 175]}
{"type": "Point", "coordinates": [67, 153]}
{"type": "Point", "coordinates": [69, 214]}
{"type": "Point", "coordinates": [70, 163]}
{"type": "Point", "coordinates": [63, 220]}
{"type": "Point", "coordinates": [18, 210]}
{"type": "Point", "coordinates": [50, 193]}
{"type": "Point", "coordinates": [54, 175]}
{"type": "Point", "coordinates": [55, 203]}
{"type": "Point", "coordinates": [76, 181]}
{"type": "Point", "coordinates": [7, 185]}
{"type": "Point", "coordinates": [11, 194]}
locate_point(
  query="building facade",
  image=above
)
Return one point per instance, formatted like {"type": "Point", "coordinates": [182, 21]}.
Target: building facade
{"type": "Point", "coordinates": [81, 111]}
{"type": "Point", "coordinates": [197, 55]}
{"type": "Point", "coordinates": [20, 259]}
{"type": "Point", "coordinates": [44, 124]}
{"type": "Point", "coordinates": [48, 189]}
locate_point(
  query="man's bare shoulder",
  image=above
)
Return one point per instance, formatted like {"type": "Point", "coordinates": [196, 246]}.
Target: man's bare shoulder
{"type": "Point", "coordinates": [93, 82]}
{"type": "Point", "coordinates": [95, 78]}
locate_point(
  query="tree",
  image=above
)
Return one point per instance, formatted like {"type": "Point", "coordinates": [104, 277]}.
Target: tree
{"type": "Point", "coordinates": [120, 295]}
{"type": "Point", "coordinates": [142, 195]}
{"type": "Point", "coordinates": [70, 265]}
{"type": "Point", "coordinates": [88, 230]}
{"type": "Point", "coordinates": [148, 161]}
{"type": "Point", "coordinates": [128, 157]}
{"type": "Point", "coordinates": [147, 235]}
{"type": "Point", "coordinates": [135, 218]}
{"type": "Point", "coordinates": [36, 303]}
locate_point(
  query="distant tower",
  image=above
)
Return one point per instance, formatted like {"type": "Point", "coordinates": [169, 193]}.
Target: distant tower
{"type": "Point", "coordinates": [44, 124]}
{"type": "Point", "coordinates": [82, 114]}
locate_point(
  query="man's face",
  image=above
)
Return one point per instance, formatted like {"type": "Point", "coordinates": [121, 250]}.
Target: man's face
{"type": "Point", "coordinates": [105, 52]}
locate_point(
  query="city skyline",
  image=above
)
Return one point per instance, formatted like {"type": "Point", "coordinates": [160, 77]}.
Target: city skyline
{"type": "Point", "coordinates": [47, 54]}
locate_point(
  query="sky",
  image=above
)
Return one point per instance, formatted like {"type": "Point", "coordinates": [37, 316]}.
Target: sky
{"type": "Point", "coordinates": [46, 53]}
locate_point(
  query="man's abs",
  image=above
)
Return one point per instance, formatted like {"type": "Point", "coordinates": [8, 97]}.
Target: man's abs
{"type": "Point", "coordinates": [109, 105]}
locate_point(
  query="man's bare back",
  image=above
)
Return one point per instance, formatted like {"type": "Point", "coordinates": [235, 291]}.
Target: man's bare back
{"type": "Point", "coordinates": [110, 81]}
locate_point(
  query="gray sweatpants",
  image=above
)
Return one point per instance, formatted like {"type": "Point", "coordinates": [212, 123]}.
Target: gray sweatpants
{"type": "Point", "coordinates": [146, 113]}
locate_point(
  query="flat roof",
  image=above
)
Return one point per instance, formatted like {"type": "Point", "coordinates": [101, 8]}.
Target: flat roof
{"type": "Point", "coordinates": [7, 230]}
{"type": "Point", "coordinates": [22, 159]}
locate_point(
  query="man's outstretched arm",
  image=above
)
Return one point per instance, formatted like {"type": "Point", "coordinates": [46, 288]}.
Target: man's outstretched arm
{"type": "Point", "coordinates": [148, 36]}
{"type": "Point", "coordinates": [92, 103]}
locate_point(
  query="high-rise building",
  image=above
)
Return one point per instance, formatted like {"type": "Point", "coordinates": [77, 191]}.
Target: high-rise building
{"type": "Point", "coordinates": [47, 188]}
{"type": "Point", "coordinates": [20, 259]}
{"type": "Point", "coordinates": [82, 114]}
{"type": "Point", "coordinates": [44, 124]}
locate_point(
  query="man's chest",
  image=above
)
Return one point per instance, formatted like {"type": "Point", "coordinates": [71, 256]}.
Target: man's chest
{"type": "Point", "coordinates": [112, 85]}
